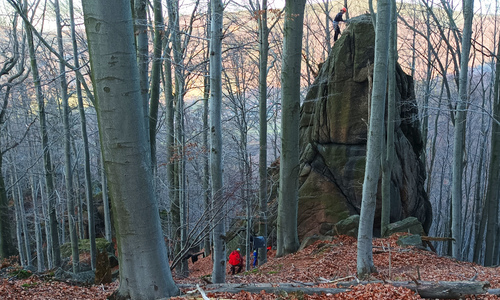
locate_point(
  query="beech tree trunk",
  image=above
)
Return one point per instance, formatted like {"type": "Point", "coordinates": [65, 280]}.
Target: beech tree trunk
{"type": "Point", "coordinates": [144, 269]}
{"type": "Point", "coordinates": [219, 251]}
{"type": "Point", "coordinates": [288, 240]}
{"type": "Point", "coordinates": [387, 159]}
{"type": "Point", "coordinates": [365, 264]}
{"type": "Point", "coordinates": [86, 156]}
{"type": "Point", "coordinates": [141, 35]}
{"type": "Point", "coordinates": [70, 194]}
{"type": "Point", "coordinates": [459, 136]}
{"type": "Point", "coordinates": [492, 192]}
{"type": "Point", "coordinates": [40, 263]}
{"type": "Point", "coordinates": [156, 65]}
{"type": "Point", "coordinates": [263, 58]}
{"type": "Point", "coordinates": [47, 161]}
{"type": "Point", "coordinates": [207, 243]}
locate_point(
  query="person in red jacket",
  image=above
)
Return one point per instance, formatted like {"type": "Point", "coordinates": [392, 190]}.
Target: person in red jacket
{"type": "Point", "coordinates": [235, 260]}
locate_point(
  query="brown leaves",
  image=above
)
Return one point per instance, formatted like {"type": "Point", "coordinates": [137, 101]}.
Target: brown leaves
{"type": "Point", "coordinates": [322, 264]}
{"type": "Point", "coordinates": [328, 261]}
{"type": "Point", "coordinates": [36, 289]}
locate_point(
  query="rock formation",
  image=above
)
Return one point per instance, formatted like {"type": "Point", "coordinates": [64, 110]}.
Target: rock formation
{"type": "Point", "coordinates": [333, 130]}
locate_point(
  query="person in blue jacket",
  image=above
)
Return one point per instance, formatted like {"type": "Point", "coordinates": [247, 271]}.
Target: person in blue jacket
{"type": "Point", "coordinates": [255, 257]}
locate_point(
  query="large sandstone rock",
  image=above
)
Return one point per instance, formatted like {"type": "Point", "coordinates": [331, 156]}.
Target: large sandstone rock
{"type": "Point", "coordinates": [333, 130]}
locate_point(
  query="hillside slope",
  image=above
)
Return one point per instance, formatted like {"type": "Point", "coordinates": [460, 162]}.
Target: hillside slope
{"type": "Point", "coordinates": [336, 261]}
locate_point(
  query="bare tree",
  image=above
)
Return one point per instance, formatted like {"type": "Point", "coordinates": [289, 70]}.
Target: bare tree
{"type": "Point", "coordinates": [288, 240]}
{"type": "Point", "coordinates": [67, 147]}
{"type": "Point", "coordinates": [219, 250]}
{"type": "Point", "coordinates": [144, 270]}
{"type": "Point", "coordinates": [459, 138]}
{"type": "Point", "coordinates": [492, 193]}
{"type": "Point", "coordinates": [47, 160]}
{"type": "Point", "coordinates": [12, 69]}
{"type": "Point", "coordinates": [365, 264]}
{"type": "Point", "coordinates": [388, 155]}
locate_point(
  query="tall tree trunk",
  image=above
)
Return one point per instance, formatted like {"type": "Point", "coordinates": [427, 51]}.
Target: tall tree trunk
{"type": "Point", "coordinates": [19, 227]}
{"type": "Point", "coordinates": [263, 59]}
{"type": "Point", "coordinates": [38, 229]}
{"type": "Point", "coordinates": [67, 147]}
{"type": "Point", "coordinates": [155, 80]}
{"type": "Point", "coordinates": [173, 13]}
{"type": "Point", "coordinates": [141, 34]}
{"type": "Point", "coordinates": [288, 240]}
{"type": "Point", "coordinates": [45, 216]}
{"type": "Point", "coordinates": [459, 136]}
{"type": "Point", "coordinates": [387, 160]}
{"type": "Point", "coordinates": [23, 221]}
{"type": "Point", "coordinates": [492, 192]}
{"type": "Point", "coordinates": [219, 251]}
{"type": "Point", "coordinates": [328, 39]}
{"type": "Point", "coordinates": [365, 264]}
{"type": "Point", "coordinates": [207, 243]}
{"type": "Point", "coordinates": [47, 162]}
{"type": "Point", "coordinates": [169, 128]}
{"type": "Point", "coordinates": [144, 269]}
{"type": "Point", "coordinates": [86, 153]}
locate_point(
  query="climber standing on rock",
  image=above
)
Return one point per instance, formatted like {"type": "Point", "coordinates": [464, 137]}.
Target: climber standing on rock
{"type": "Point", "coordinates": [336, 27]}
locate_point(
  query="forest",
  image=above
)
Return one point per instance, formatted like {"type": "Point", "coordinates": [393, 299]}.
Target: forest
{"type": "Point", "coordinates": [159, 131]}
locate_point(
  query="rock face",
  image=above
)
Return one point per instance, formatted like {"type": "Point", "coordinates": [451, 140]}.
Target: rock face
{"type": "Point", "coordinates": [333, 130]}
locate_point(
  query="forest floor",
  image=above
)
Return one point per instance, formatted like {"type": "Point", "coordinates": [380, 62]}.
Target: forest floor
{"type": "Point", "coordinates": [321, 265]}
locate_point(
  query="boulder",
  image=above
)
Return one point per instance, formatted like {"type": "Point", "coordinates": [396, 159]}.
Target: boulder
{"type": "Point", "coordinates": [308, 241]}
{"type": "Point", "coordinates": [409, 225]}
{"type": "Point", "coordinates": [333, 128]}
{"type": "Point", "coordinates": [349, 226]}
{"type": "Point", "coordinates": [410, 240]}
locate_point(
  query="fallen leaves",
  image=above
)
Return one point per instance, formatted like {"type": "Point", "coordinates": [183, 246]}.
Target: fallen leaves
{"type": "Point", "coordinates": [322, 265]}
{"type": "Point", "coordinates": [35, 288]}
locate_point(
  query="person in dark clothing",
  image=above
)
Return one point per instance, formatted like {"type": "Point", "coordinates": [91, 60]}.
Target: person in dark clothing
{"type": "Point", "coordinates": [336, 27]}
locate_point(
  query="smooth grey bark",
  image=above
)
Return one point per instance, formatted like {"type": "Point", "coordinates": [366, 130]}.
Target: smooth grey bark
{"type": "Point", "coordinates": [19, 228]}
{"type": "Point", "coordinates": [428, 78]}
{"type": "Point", "coordinates": [40, 264]}
{"type": "Point", "coordinates": [459, 134]}
{"type": "Point", "coordinates": [365, 264]}
{"type": "Point", "coordinates": [86, 153]}
{"type": "Point", "coordinates": [180, 187]}
{"type": "Point", "coordinates": [79, 202]}
{"type": "Point", "coordinates": [170, 131]}
{"type": "Point", "coordinates": [67, 147]}
{"type": "Point", "coordinates": [47, 161]}
{"type": "Point", "coordinates": [287, 236]}
{"type": "Point", "coordinates": [387, 159]}
{"type": "Point", "coordinates": [23, 221]}
{"type": "Point", "coordinates": [219, 250]}
{"type": "Point", "coordinates": [23, 237]}
{"type": "Point", "coordinates": [207, 242]}
{"type": "Point", "coordinates": [492, 192]}
{"type": "Point", "coordinates": [159, 31]}
{"type": "Point", "coordinates": [263, 60]}
{"type": "Point", "coordinates": [141, 35]}
{"type": "Point", "coordinates": [105, 201]}
{"type": "Point", "coordinates": [328, 38]}
{"type": "Point", "coordinates": [45, 216]}
{"type": "Point", "coordinates": [144, 269]}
